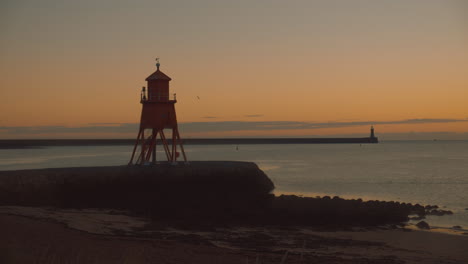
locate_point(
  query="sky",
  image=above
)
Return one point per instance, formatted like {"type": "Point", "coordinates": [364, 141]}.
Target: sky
{"type": "Point", "coordinates": [257, 68]}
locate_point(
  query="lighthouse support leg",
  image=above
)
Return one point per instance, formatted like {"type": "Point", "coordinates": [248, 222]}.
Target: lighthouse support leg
{"type": "Point", "coordinates": [155, 138]}
{"type": "Point", "coordinates": [135, 147]}
{"type": "Point", "coordinates": [174, 147]}
{"type": "Point", "coordinates": [141, 158]}
{"type": "Point", "coordinates": [150, 149]}
{"type": "Point", "coordinates": [181, 146]}
{"type": "Point", "coordinates": [166, 148]}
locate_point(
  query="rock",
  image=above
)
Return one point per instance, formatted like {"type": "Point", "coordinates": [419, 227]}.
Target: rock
{"type": "Point", "coordinates": [457, 227]}
{"type": "Point", "coordinates": [440, 212]}
{"type": "Point", "coordinates": [423, 225]}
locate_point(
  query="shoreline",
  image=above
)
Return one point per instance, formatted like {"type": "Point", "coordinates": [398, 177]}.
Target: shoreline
{"type": "Point", "coordinates": [91, 235]}
{"type": "Point", "coordinates": [439, 229]}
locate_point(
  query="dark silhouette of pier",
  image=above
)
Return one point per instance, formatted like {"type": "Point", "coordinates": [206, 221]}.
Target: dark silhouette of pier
{"type": "Point", "coordinates": [39, 143]}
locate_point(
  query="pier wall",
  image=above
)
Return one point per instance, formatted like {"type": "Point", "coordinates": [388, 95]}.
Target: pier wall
{"type": "Point", "coordinates": [220, 187]}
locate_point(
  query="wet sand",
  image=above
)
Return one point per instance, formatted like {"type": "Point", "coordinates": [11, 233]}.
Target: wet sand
{"type": "Point", "coordinates": [48, 235]}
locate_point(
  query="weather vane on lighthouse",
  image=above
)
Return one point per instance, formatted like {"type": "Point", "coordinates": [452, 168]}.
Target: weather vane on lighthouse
{"type": "Point", "coordinates": [158, 113]}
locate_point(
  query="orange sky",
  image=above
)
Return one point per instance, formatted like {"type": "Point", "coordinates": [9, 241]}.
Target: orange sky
{"type": "Point", "coordinates": [75, 63]}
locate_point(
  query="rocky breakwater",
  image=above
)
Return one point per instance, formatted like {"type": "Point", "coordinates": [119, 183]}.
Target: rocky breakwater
{"type": "Point", "coordinates": [200, 193]}
{"type": "Point", "coordinates": [198, 190]}
{"type": "Point", "coordinates": [336, 211]}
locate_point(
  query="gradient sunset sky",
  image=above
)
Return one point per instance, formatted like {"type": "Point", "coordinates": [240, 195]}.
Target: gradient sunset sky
{"type": "Point", "coordinates": [74, 69]}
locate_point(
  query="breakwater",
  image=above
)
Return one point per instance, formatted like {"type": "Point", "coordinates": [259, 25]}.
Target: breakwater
{"type": "Point", "coordinates": [40, 143]}
{"type": "Point", "coordinates": [209, 192]}
{"type": "Point", "coordinates": [166, 190]}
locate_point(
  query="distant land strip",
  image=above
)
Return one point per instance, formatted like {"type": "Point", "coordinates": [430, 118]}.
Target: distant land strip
{"type": "Point", "coordinates": [38, 143]}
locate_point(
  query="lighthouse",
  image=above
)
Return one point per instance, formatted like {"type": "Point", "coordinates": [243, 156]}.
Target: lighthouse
{"type": "Point", "coordinates": [157, 115]}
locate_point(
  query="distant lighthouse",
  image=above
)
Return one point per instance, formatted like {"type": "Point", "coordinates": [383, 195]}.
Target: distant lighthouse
{"type": "Point", "coordinates": [373, 138]}
{"type": "Point", "coordinates": [158, 113]}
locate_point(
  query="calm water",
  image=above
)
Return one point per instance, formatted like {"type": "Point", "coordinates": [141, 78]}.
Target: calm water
{"type": "Point", "coordinates": [434, 172]}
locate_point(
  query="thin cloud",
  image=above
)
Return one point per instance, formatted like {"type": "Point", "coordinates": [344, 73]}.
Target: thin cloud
{"type": "Point", "coordinates": [253, 115]}
{"type": "Point", "coordinates": [104, 124]}
{"type": "Point", "coordinates": [285, 125]}
{"type": "Point", "coordinates": [38, 130]}
{"type": "Point", "coordinates": [210, 117]}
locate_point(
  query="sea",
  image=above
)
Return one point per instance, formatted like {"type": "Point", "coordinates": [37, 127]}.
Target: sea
{"type": "Point", "coordinates": [424, 172]}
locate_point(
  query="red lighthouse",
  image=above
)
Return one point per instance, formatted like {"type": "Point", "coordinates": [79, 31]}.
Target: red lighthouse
{"type": "Point", "coordinates": [158, 113]}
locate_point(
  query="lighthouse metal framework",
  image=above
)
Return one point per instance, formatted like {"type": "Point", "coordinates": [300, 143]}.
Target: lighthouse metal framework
{"type": "Point", "coordinates": [158, 114]}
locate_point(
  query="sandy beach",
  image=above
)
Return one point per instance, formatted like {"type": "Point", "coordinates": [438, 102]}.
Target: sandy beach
{"type": "Point", "coordinates": [49, 235]}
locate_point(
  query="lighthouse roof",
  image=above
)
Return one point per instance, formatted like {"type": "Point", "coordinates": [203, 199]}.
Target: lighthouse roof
{"type": "Point", "coordinates": [158, 75]}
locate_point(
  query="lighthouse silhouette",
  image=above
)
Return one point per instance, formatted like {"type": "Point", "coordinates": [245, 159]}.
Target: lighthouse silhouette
{"type": "Point", "coordinates": [157, 114]}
